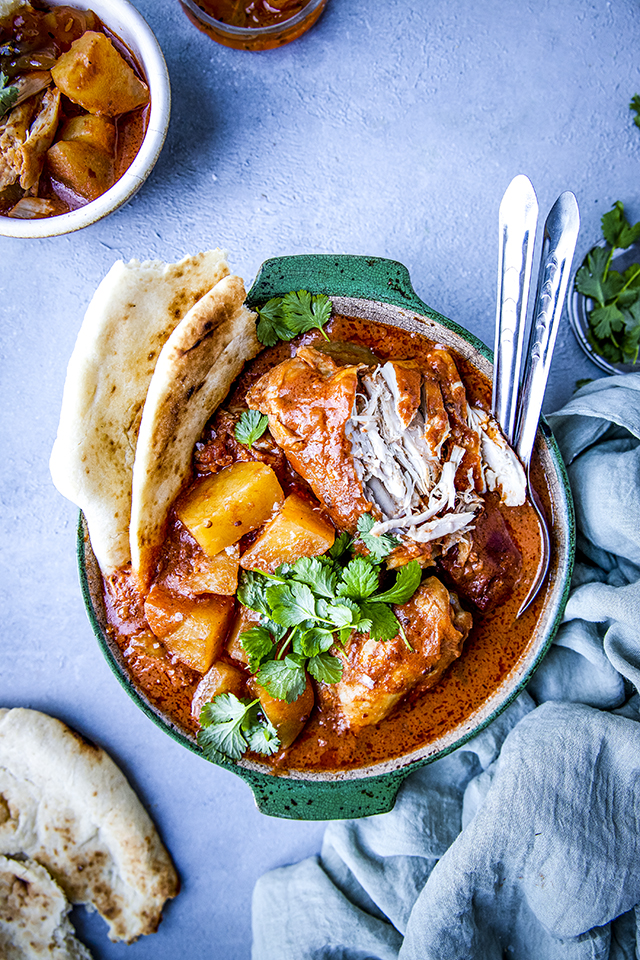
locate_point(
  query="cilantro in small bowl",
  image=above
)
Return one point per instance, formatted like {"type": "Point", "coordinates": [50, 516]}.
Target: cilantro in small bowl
{"type": "Point", "coordinates": [604, 303]}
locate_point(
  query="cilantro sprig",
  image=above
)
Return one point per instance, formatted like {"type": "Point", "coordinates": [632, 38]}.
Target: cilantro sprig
{"type": "Point", "coordinates": [231, 726]}
{"type": "Point", "coordinates": [250, 427]}
{"type": "Point", "coordinates": [316, 602]}
{"type": "Point", "coordinates": [283, 318]}
{"type": "Point", "coordinates": [614, 319]}
{"type": "Point", "coordinates": [8, 95]}
{"type": "Point", "coordinates": [634, 106]}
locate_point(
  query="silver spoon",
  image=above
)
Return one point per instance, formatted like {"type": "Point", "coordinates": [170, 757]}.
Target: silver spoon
{"type": "Point", "coordinates": [559, 243]}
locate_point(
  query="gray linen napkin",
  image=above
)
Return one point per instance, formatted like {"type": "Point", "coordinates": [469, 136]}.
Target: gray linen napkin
{"type": "Point", "coordinates": [525, 842]}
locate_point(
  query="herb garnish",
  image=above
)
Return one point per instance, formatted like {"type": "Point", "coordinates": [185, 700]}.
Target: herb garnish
{"type": "Point", "coordinates": [8, 95]}
{"type": "Point", "coordinates": [309, 606]}
{"type": "Point", "coordinates": [250, 427]}
{"type": "Point", "coordinates": [305, 609]}
{"type": "Point", "coordinates": [635, 107]}
{"type": "Point", "coordinates": [283, 318]}
{"type": "Point", "coordinates": [230, 726]}
{"type": "Point", "coordinates": [614, 321]}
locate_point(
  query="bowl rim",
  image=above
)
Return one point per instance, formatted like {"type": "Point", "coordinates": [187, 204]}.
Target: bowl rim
{"type": "Point", "coordinates": [380, 781]}
{"type": "Point", "coordinates": [143, 43]}
{"type": "Point", "coordinates": [245, 33]}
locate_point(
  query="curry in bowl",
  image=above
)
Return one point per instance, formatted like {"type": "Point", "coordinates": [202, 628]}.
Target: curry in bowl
{"type": "Point", "coordinates": [74, 109]}
{"type": "Point", "coordinates": [316, 559]}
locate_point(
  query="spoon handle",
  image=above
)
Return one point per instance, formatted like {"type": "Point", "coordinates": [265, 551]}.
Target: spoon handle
{"type": "Point", "coordinates": [517, 224]}
{"type": "Point", "coordinates": [559, 242]}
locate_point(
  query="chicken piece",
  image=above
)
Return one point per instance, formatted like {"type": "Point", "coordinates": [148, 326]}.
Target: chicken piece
{"type": "Point", "coordinates": [13, 133]}
{"type": "Point", "coordinates": [309, 400]}
{"type": "Point", "coordinates": [41, 134]}
{"type": "Point", "coordinates": [93, 74]}
{"type": "Point", "coordinates": [378, 674]}
{"type": "Point", "coordinates": [487, 572]}
{"type": "Point", "coordinates": [34, 208]}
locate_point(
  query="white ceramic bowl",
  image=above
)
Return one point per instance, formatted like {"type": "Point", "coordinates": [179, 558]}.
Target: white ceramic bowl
{"type": "Point", "coordinates": [122, 18]}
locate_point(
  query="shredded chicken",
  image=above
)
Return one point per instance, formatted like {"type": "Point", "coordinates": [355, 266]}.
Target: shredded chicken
{"type": "Point", "coordinates": [410, 450]}
{"type": "Point", "coordinates": [41, 134]}
{"type": "Point", "coordinates": [13, 133]}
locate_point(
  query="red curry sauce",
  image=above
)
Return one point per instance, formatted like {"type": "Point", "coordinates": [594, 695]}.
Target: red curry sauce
{"type": "Point", "coordinates": [496, 643]}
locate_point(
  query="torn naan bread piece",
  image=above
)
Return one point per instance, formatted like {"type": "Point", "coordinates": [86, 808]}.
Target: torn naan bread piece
{"type": "Point", "coordinates": [198, 364]}
{"type": "Point", "coordinates": [34, 922]}
{"type": "Point", "coordinates": [65, 804]}
{"type": "Point", "coordinates": [131, 316]}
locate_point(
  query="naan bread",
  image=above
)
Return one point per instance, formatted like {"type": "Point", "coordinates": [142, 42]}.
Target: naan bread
{"type": "Point", "coordinates": [65, 804]}
{"type": "Point", "coordinates": [33, 915]}
{"type": "Point", "coordinates": [198, 364]}
{"type": "Point", "coordinates": [131, 316]}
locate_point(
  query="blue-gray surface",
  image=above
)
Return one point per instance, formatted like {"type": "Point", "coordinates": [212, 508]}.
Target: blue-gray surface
{"type": "Point", "coordinates": [392, 129]}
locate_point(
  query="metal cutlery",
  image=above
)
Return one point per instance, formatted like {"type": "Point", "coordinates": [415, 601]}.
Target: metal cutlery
{"type": "Point", "coordinates": [517, 407]}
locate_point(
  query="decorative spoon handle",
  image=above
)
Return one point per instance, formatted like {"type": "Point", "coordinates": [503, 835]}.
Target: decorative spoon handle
{"type": "Point", "coordinates": [560, 236]}
{"type": "Point", "coordinates": [517, 223]}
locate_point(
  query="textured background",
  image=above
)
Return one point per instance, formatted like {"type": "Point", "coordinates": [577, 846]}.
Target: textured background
{"type": "Point", "coordinates": [392, 128]}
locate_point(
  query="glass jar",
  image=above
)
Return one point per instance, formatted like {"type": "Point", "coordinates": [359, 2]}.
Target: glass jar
{"type": "Point", "coordinates": [254, 37]}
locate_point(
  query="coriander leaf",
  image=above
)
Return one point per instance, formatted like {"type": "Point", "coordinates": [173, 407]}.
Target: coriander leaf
{"type": "Point", "coordinates": [635, 107]}
{"type": "Point", "coordinates": [263, 738]}
{"type": "Point", "coordinates": [291, 603]}
{"type": "Point", "coordinates": [606, 320]}
{"type": "Point", "coordinates": [221, 722]}
{"type": "Point", "coordinates": [8, 95]}
{"type": "Point", "coordinates": [612, 286]}
{"type": "Point", "coordinates": [617, 230]}
{"type": "Point", "coordinates": [591, 275]}
{"type": "Point", "coordinates": [341, 614]}
{"type": "Point", "coordinates": [305, 312]}
{"type": "Point", "coordinates": [250, 427]}
{"type": "Point", "coordinates": [340, 545]}
{"type": "Point", "coordinates": [258, 644]}
{"type": "Point", "coordinates": [225, 707]}
{"type": "Point", "coordinates": [407, 582]}
{"type": "Point", "coordinates": [321, 578]}
{"type": "Point", "coordinates": [252, 592]}
{"type": "Point", "coordinates": [384, 623]}
{"type": "Point", "coordinates": [379, 547]}
{"type": "Point", "coordinates": [359, 579]}
{"type": "Point", "coordinates": [326, 668]}
{"type": "Point", "coordinates": [308, 643]}
{"type": "Point", "coordinates": [271, 323]}
{"type": "Point", "coordinates": [283, 679]}
{"type": "Point", "coordinates": [210, 742]}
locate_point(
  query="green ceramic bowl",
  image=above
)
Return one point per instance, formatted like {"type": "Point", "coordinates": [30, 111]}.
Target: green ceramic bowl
{"type": "Point", "coordinates": [379, 290]}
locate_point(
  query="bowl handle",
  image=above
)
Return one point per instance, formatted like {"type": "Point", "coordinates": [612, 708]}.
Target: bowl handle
{"type": "Point", "coordinates": [339, 275]}
{"type": "Point", "coordinates": [294, 799]}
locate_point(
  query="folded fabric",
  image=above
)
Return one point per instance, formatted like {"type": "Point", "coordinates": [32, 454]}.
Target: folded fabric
{"type": "Point", "coordinates": [525, 842]}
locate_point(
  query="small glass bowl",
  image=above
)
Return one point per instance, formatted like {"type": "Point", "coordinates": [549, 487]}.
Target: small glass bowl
{"type": "Point", "coordinates": [254, 38]}
{"type": "Point", "coordinates": [578, 307]}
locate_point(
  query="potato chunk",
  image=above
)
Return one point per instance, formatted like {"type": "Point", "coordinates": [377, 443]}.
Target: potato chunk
{"type": "Point", "coordinates": [98, 132]}
{"type": "Point", "coordinates": [93, 74]}
{"type": "Point", "coordinates": [217, 574]}
{"type": "Point", "coordinates": [222, 508]}
{"type": "Point", "coordinates": [220, 678]}
{"type": "Point", "coordinates": [296, 531]}
{"type": "Point", "coordinates": [82, 168]}
{"type": "Point", "coordinates": [194, 631]}
{"type": "Point", "coordinates": [244, 620]}
{"type": "Point", "coordinates": [288, 718]}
